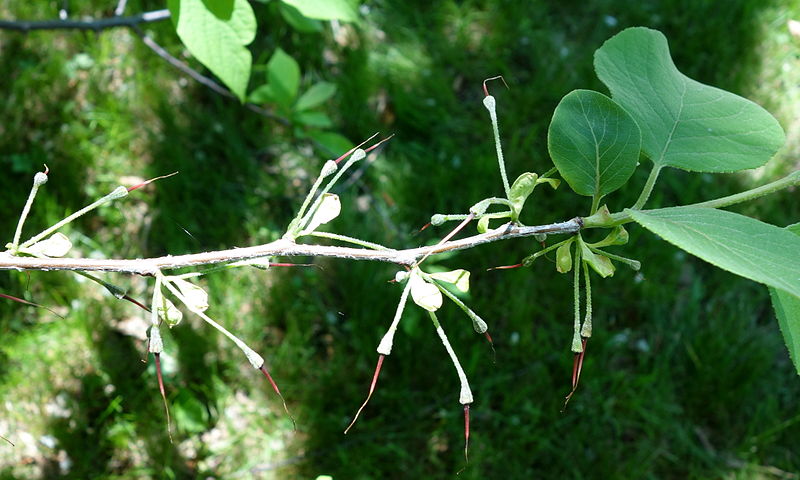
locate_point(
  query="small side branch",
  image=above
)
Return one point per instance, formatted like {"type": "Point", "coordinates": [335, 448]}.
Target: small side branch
{"type": "Point", "coordinates": [95, 24]}
{"type": "Point", "coordinates": [280, 248]}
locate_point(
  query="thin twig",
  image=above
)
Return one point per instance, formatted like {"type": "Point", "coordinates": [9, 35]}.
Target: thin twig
{"type": "Point", "coordinates": [280, 248]}
{"type": "Point", "coordinates": [94, 24]}
{"type": "Point", "coordinates": [202, 79]}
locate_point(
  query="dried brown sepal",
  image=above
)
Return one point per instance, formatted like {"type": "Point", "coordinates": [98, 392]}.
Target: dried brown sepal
{"type": "Point", "coordinates": [577, 366]}
{"type": "Point", "coordinates": [280, 395]}
{"type": "Point", "coordinates": [369, 395]}
{"type": "Point", "coordinates": [163, 394]}
{"type": "Point", "coordinates": [147, 182]}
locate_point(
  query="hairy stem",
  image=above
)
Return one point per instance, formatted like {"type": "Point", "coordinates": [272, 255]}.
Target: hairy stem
{"type": "Point", "coordinates": [648, 188]}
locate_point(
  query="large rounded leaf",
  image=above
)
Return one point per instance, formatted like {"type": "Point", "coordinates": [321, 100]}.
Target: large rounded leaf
{"type": "Point", "coordinates": [594, 143]}
{"type": "Point", "coordinates": [216, 32]}
{"type": "Point", "coordinates": [685, 124]}
{"type": "Point", "coordinates": [742, 245]}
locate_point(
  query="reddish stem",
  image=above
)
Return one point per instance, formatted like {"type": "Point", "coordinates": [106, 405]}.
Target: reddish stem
{"type": "Point", "coordinates": [278, 392]}
{"type": "Point", "coordinates": [466, 433]}
{"type": "Point", "coordinates": [505, 267]}
{"type": "Point", "coordinates": [491, 344]}
{"type": "Point", "coordinates": [486, 90]}
{"type": "Point", "coordinates": [424, 227]}
{"type": "Point", "coordinates": [577, 366]}
{"type": "Point", "coordinates": [147, 182]}
{"type": "Point", "coordinates": [369, 395]}
{"type": "Point", "coordinates": [135, 302]}
{"type": "Point", "coordinates": [378, 144]}
{"type": "Point", "coordinates": [163, 393]}
{"type": "Point", "coordinates": [20, 300]}
{"type": "Point", "coordinates": [345, 155]}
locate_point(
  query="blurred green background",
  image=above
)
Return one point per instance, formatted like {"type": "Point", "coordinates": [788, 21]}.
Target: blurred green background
{"type": "Point", "coordinates": [686, 376]}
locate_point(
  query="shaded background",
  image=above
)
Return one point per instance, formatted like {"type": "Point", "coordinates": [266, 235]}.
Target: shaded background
{"type": "Point", "coordinates": [686, 376]}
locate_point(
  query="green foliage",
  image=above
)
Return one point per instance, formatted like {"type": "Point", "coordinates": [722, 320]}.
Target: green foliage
{"type": "Point", "coordinates": [787, 309]}
{"type": "Point", "coordinates": [660, 382]}
{"type": "Point", "coordinates": [217, 32]}
{"type": "Point", "coordinates": [745, 246]}
{"type": "Point", "coordinates": [684, 123]}
{"type": "Point", "coordinates": [593, 142]}
{"type": "Point", "coordinates": [325, 9]}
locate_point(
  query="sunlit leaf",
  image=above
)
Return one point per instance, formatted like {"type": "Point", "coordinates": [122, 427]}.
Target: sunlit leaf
{"type": "Point", "coordinates": [283, 74]}
{"type": "Point", "coordinates": [316, 95]}
{"type": "Point", "coordinates": [325, 9]}
{"type": "Point", "coordinates": [593, 142]}
{"type": "Point", "coordinates": [742, 245]}
{"type": "Point", "coordinates": [684, 123]}
{"type": "Point", "coordinates": [787, 309]}
{"type": "Point", "coordinates": [217, 32]}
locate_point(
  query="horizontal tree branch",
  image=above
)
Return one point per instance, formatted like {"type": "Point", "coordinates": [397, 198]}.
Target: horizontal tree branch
{"type": "Point", "coordinates": [94, 24]}
{"type": "Point", "coordinates": [280, 248]}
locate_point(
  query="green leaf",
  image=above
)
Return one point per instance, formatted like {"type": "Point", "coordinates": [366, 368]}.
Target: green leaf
{"type": "Point", "coordinates": [331, 143]}
{"type": "Point", "coordinates": [283, 74]}
{"type": "Point", "coordinates": [594, 143]}
{"type": "Point", "coordinates": [521, 189]}
{"type": "Point", "coordinates": [459, 278]}
{"type": "Point", "coordinates": [745, 246]}
{"type": "Point", "coordinates": [316, 95]}
{"type": "Point", "coordinates": [787, 309]}
{"type": "Point", "coordinates": [685, 124]}
{"type": "Point", "coordinates": [262, 94]}
{"type": "Point", "coordinates": [325, 9]}
{"type": "Point", "coordinates": [216, 32]}
{"type": "Point", "coordinates": [599, 263]}
{"type": "Point", "coordinates": [564, 258]}
{"type": "Point", "coordinates": [313, 119]}
{"type": "Point", "coordinates": [298, 21]}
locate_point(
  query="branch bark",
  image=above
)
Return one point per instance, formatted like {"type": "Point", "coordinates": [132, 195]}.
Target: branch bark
{"type": "Point", "coordinates": [94, 24]}
{"type": "Point", "coordinates": [280, 248]}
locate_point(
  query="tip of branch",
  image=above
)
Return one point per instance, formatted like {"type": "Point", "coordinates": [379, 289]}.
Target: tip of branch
{"type": "Point", "coordinates": [147, 182]}
{"type": "Point", "coordinates": [486, 90]}
{"type": "Point", "coordinates": [163, 394]}
{"type": "Point", "coordinates": [379, 143]}
{"type": "Point", "coordinates": [346, 154]}
{"type": "Point", "coordinates": [505, 267]}
{"type": "Point", "coordinates": [278, 392]}
{"type": "Point", "coordinates": [369, 395]}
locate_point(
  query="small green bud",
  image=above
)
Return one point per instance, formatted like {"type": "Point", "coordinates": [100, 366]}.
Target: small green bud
{"type": "Point", "coordinates": [564, 258]}
{"type": "Point", "coordinates": [483, 224]}
{"type": "Point", "coordinates": [438, 219]}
